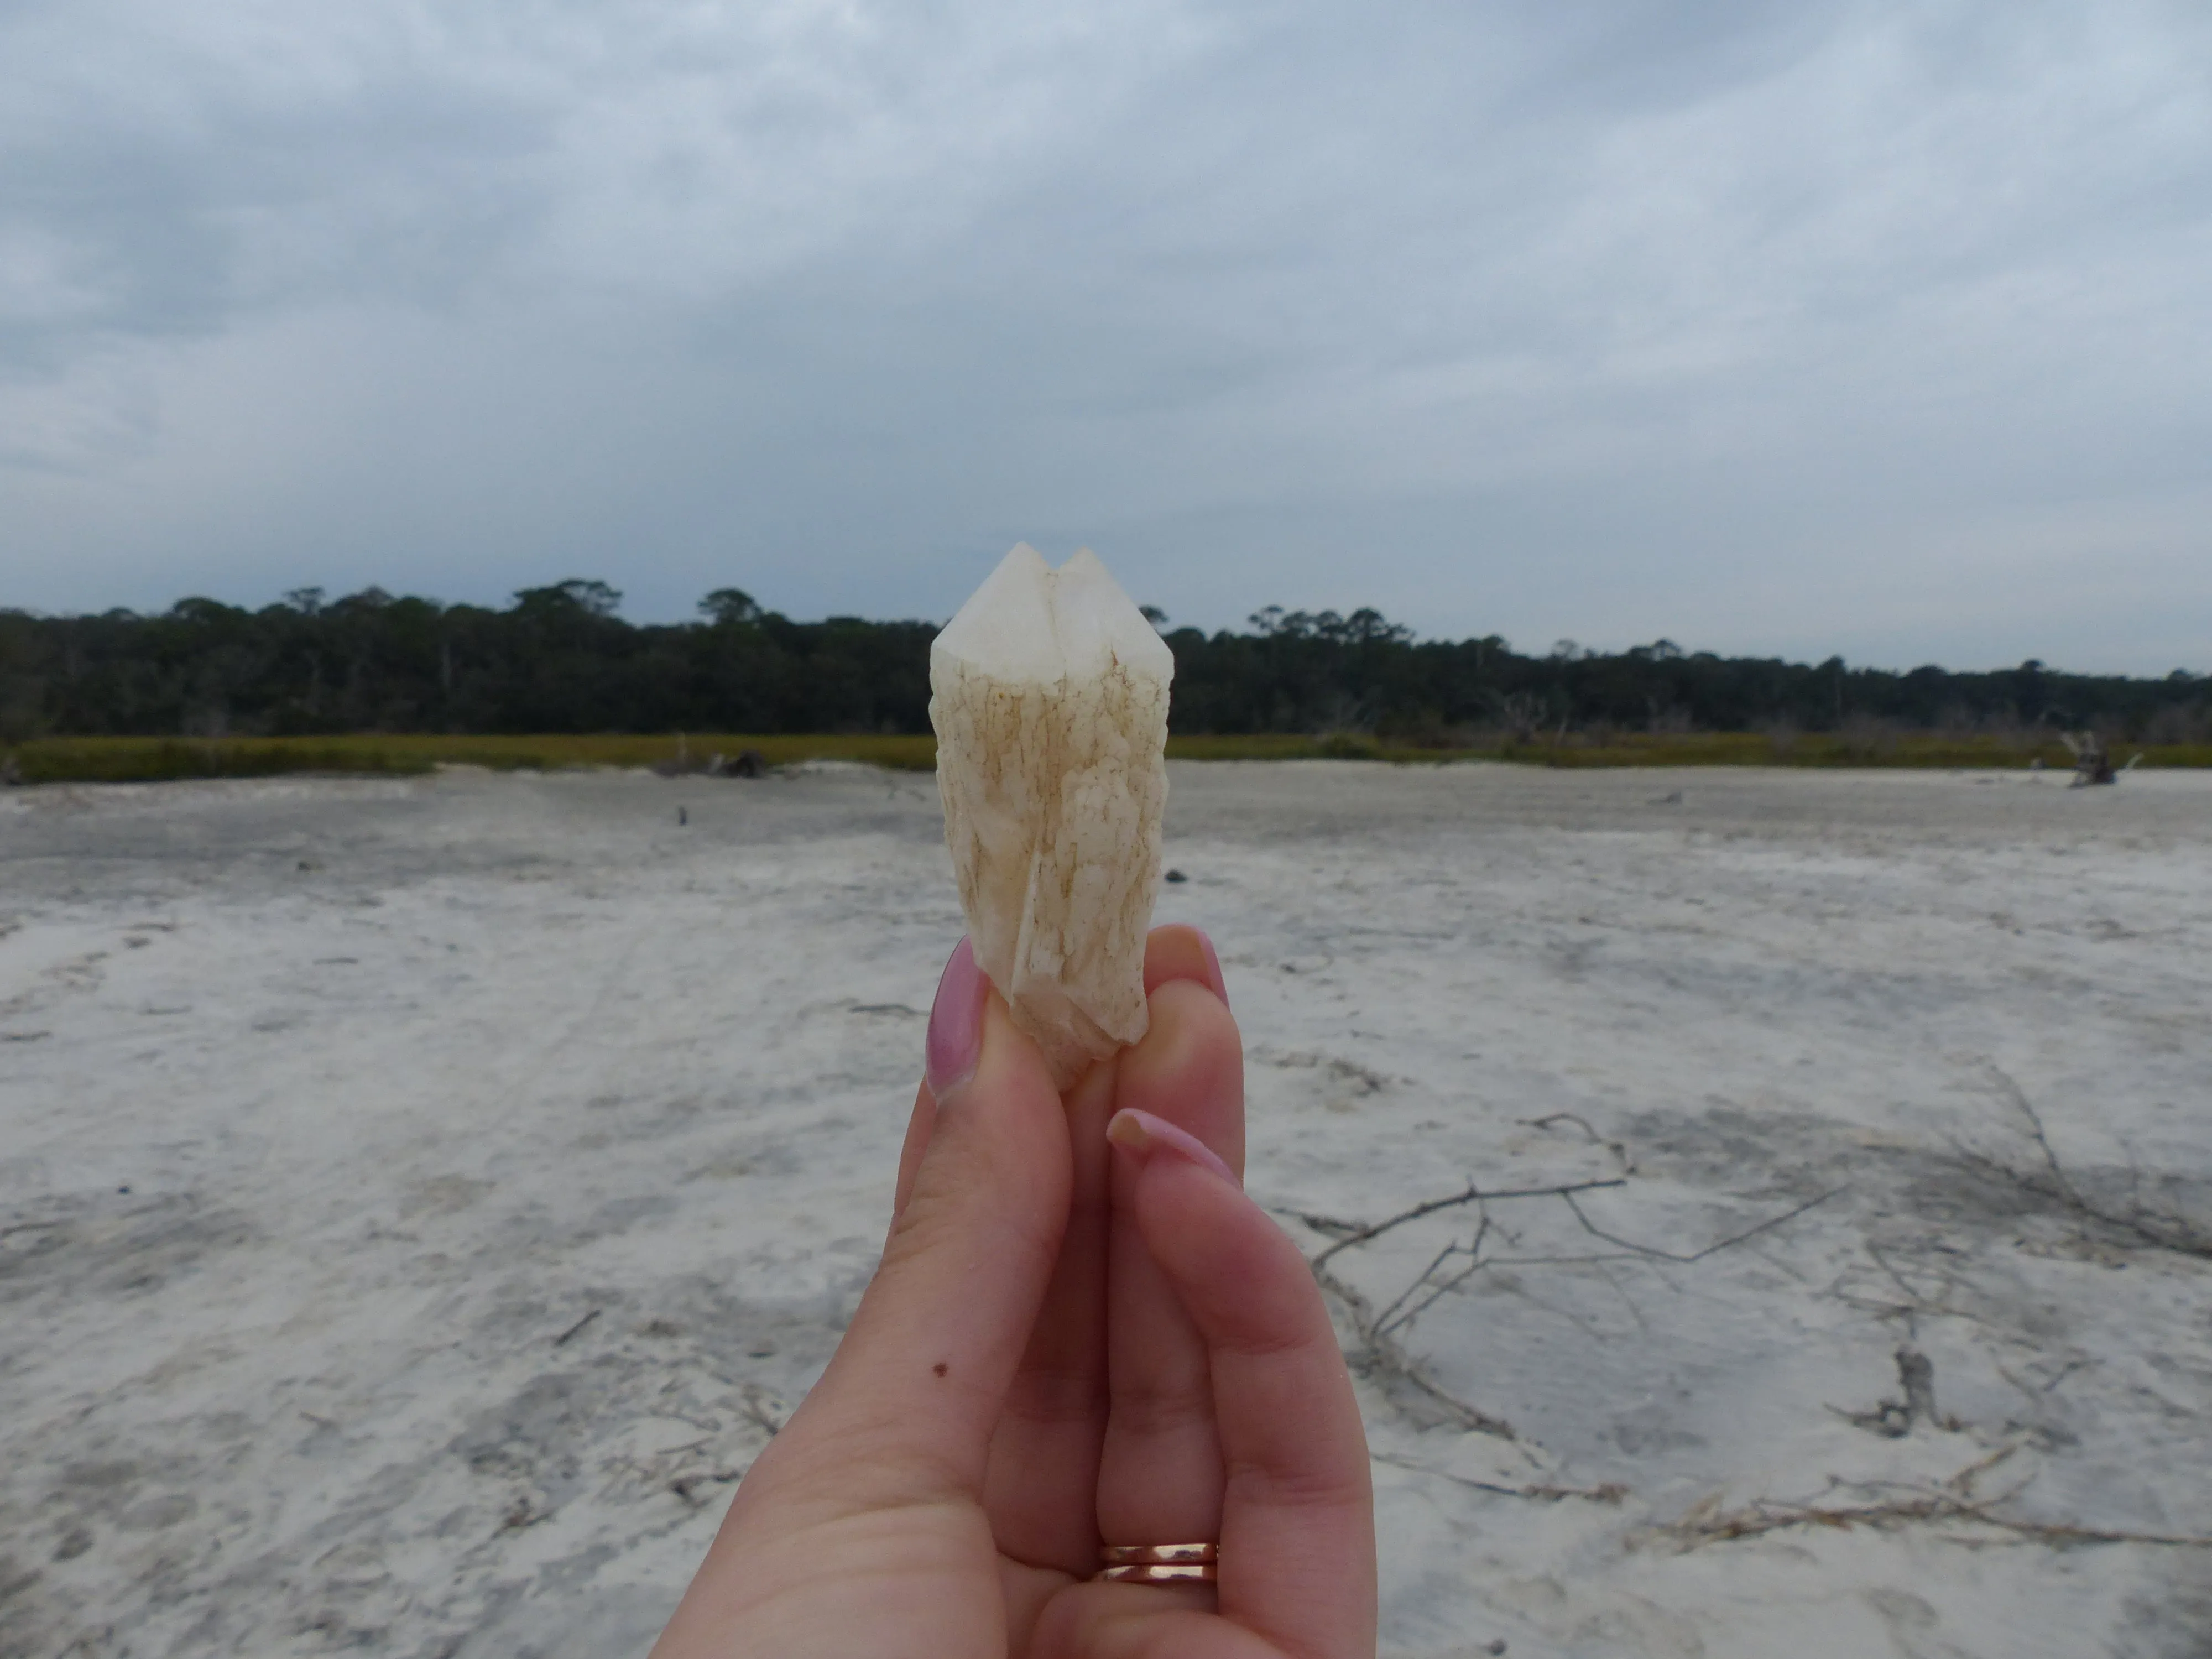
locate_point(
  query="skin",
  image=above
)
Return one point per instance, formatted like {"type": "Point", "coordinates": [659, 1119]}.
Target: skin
{"type": "Point", "coordinates": [1067, 1341]}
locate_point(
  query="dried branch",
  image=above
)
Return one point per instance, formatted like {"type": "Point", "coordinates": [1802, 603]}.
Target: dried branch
{"type": "Point", "coordinates": [1379, 1354]}
{"type": "Point", "coordinates": [2011, 1090]}
{"type": "Point", "coordinates": [1388, 1317]}
{"type": "Point", "coordinates": [1439, 1290]}
{"type": "Point", "coordinates": [1954, 1502]}
{"type": "Point", "coordinates": [1473, 1194]}
{"type": "Point", "coordinates": [2054, 1185]}
{"type": "Point", "coordinates": [1619, 1149]}
{"type": "Point", "coordinates": [1378, 1349]}
{"type": "Point", "coordinates": [1757, 1519]}
{"type": "Point", "coordinates": [1608, 1493]}
{"type": "Point", "coordinates": [1634, 1248]}
{"type": "Point", "coordinates": [1917, 1305]}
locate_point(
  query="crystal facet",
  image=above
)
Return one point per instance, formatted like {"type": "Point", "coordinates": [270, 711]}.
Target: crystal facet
{"type": "Point", "coordinates": [1050, 695]}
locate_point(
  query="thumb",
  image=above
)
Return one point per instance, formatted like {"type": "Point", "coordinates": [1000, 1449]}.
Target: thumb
{"type": "Point", "coordinates": [915, 1388]}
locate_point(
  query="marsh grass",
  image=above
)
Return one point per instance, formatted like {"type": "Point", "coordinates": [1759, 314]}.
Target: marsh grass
{"type": "Point", "coordinates": [139, 760]}
{"type": "Point", "coordinates": [1614, 747]}
{"type": "Point", "coordinates": [136, 760]}
{"type": "Point", "coordinates": [1884, 748]}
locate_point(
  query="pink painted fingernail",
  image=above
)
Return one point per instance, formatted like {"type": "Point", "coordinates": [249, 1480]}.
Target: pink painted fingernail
{"type": "Point", "coordinates": [1140, 1131]}
{"type": "Point", "coordinates": [1213, 963]}
{"type": "Point", "coordinates": [955, 1044]}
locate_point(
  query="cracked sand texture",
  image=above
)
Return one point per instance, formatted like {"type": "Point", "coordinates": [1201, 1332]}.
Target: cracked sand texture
{"type": "Point", "coordinates": [1050, 695]}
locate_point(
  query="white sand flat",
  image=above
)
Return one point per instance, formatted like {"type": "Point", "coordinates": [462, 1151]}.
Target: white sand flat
{"type": "Point", "coordinates": [502, 1160]}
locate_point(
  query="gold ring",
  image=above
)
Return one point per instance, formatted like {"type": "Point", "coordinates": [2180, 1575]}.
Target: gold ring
{"type": "Point", "coordinates": [1160, 1563]}
{"type": "Point", "coordinates": [1161, 1572]}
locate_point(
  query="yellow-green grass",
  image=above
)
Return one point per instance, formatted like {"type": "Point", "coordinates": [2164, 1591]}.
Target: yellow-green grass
{"type": "Point", "coordinates": [126, 760]}
{"type": "Point", "coordinates": [1830, 749]}
{"type": "Point", "coordinates": [120, 760]}
{"type": "Point", "coordinates": [1933, 749]}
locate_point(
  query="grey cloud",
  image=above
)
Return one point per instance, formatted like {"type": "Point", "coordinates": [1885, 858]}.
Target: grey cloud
{"type": "Point", "coordinates": [1804, 327]}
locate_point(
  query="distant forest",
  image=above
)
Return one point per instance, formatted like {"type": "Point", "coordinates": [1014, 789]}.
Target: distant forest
{"type": "Point", "coordinates": [561, 660]}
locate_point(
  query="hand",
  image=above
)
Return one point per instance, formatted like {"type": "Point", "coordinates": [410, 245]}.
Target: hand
{"type": "Point", "coordinates": [1068, 1341]}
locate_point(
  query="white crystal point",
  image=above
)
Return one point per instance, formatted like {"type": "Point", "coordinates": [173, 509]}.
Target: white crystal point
{"type": "Point", "coordinates": [1050, 695]}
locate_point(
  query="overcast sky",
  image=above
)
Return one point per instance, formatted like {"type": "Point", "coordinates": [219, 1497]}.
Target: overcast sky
{"type": "Point", "coordinates": [1800, 327]}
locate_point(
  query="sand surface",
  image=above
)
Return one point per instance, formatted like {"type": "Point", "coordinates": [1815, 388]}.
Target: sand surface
{"type": "Point", "coordinates": [419, 1200]}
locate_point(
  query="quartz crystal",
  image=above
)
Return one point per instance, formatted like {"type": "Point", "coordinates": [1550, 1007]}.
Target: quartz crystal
{"type": "Point", "coordinates": [1050, 695]}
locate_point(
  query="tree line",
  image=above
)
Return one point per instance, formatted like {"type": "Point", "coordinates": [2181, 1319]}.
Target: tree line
{"type": "Point", "coordinates": [561, 659]}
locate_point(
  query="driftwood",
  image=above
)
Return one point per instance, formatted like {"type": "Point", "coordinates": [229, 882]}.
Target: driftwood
{"type": "Point", "coordinates": [1893, 1419]}
{"type": "Point", "coordinates": [747, 764]}
{"type": "Point", "coordinates": [2093, 762]}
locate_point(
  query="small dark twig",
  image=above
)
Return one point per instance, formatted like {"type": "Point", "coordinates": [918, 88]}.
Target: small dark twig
{"type": "Point", "coordinates": [1575, 1118]}
{"type": "Point", "coordinates": [760, 1410]}
{"type": "Point", "coordinates": [1384, 1320]}
{"type": "Point", "coordinates": [1382, 1355]}
{"type": "Point", "coordinates": [1619, 1149]}
{"type": "Point", "coordinates": [576, 1329]}
{"type": "Point", "coordinates": [1608, 1493]}
{"type": "Point", "coordinates": [685, 1485]}
{"type": "Point", "coordinates": [1441, 1289]}
{"type": "Point", "coordinates": [1954, 1501]}
{"type": "Point", "coordinates": [1473, 1194]}
{"type": "Point", "coordinates": [2012, 1091]}
{"type": "Point", "coordinates": [1760, 1518]}
{"type": "Point", "coordinates": [1676, 1256]}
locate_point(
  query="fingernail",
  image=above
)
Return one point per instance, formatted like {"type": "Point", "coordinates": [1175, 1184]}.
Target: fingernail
{"type": "Point", "coordinates": [955, 1044]}
{"type": "Point", "coordinates": [1140, 1131]}
{"type": "Point", "coordinates": [1213, 964]}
